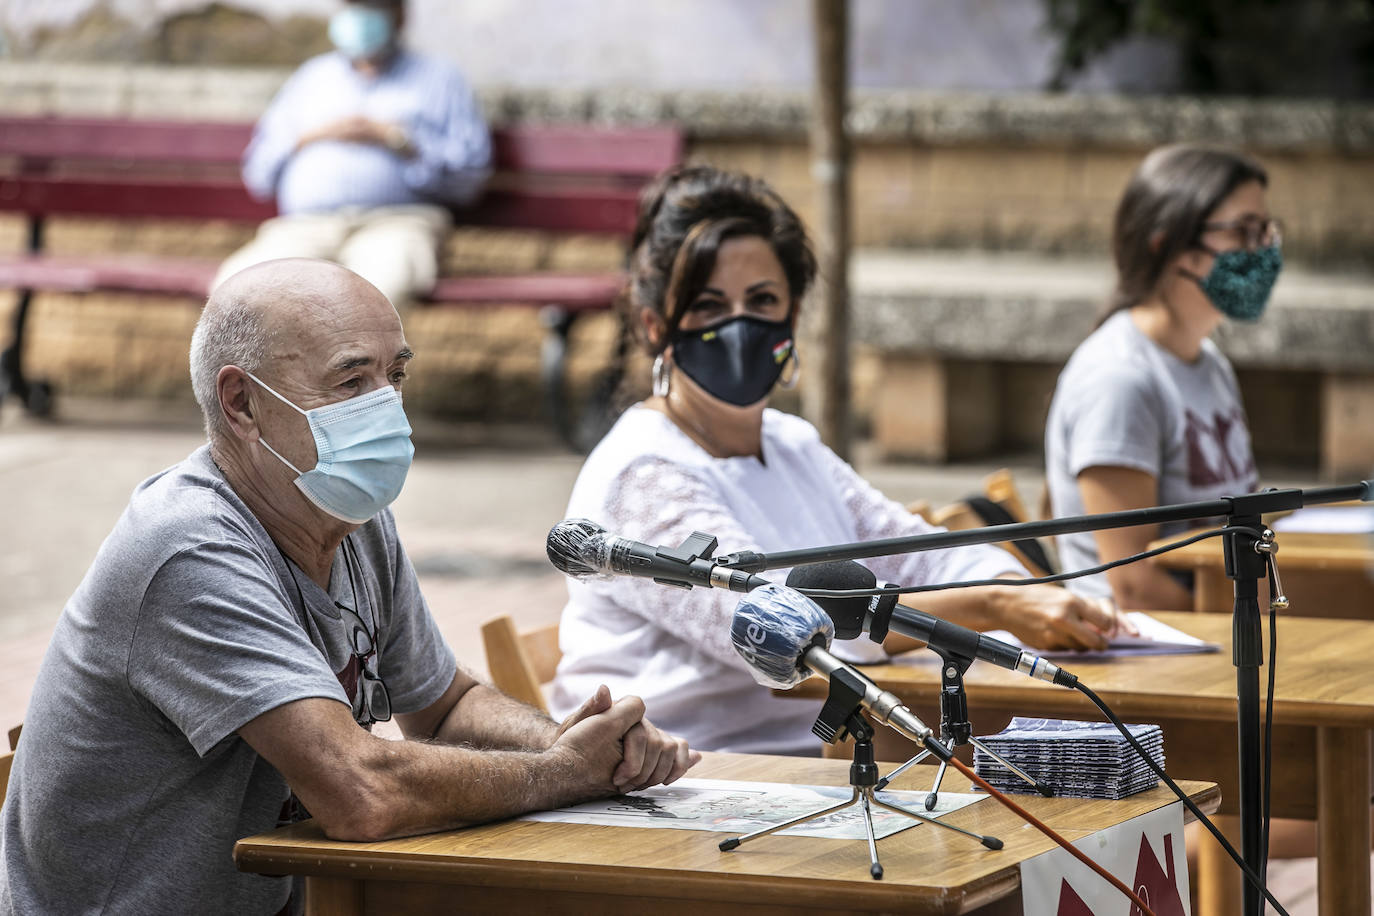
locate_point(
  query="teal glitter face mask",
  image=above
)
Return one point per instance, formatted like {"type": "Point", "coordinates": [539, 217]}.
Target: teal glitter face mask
{"type": "Point", "coordinates": [1240, 281]}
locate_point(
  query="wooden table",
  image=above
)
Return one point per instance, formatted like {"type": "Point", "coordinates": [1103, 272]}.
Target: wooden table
{"type": "Point", "coordinates": [525, 866]}
{"type": "Point", "coordinates": [1323, 575]}
{"type": "Point", "coordinates": [1323, 714]}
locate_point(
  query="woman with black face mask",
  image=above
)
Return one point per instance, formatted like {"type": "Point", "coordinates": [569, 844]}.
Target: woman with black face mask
{"type": "Point", "coordinates": [1147, 412]}
{"type": "Point", "coordinates": [720, 266]}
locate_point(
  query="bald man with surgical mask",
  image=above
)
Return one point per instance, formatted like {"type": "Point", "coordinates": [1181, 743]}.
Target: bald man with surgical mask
{"type": "Point", "coordinates": [250, 617]}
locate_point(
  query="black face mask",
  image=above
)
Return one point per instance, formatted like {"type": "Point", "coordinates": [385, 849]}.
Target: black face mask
{"type": "Point", "coordinates": [737, 361]}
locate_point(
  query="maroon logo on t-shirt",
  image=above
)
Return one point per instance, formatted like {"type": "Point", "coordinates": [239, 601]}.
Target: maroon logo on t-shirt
{"type": "Point", "coordinates": [1218, 452]}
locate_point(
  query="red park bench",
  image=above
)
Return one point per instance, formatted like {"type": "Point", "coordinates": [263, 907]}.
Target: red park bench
{"type": "Point", "coordinates": [574, 179]}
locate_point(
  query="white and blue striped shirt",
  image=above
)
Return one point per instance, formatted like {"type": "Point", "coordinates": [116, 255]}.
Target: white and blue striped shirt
{"type": "Point", "coordinates": [427, 97]}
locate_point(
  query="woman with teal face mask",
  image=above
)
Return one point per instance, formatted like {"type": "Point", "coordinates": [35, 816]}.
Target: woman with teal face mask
{"type": "Point", "coordinates": [1147, 412]}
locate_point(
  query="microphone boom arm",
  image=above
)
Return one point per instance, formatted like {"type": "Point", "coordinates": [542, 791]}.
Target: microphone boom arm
{"type": "Point", "coordinates": [1248, 504]}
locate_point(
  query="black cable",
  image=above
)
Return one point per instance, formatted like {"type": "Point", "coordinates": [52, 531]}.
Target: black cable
{"type": "Point", "coordinates": [1037, 580]}
{"type": "Point", "coordinates": [1144, 755]}
{"type": "Point", "coordinates": [1269, 720]}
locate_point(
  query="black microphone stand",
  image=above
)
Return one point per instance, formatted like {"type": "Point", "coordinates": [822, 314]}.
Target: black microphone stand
{"type": "Point", "coordinates": [1245, 560]}
{"type": "Point", "coordinates": [1246, 553]}
{"type": "Point", "coordinates": [956, 730]}
{"type": "Point", "coordinates": [841, 714]}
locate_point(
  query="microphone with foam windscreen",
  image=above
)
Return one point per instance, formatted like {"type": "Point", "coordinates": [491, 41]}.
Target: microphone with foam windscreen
{"type": "Point", "coordinates": [583, 549]}
{"type": "Point", "coordinates": [878, 613]}
{"type": "Point", "coordinates": [784, 636]}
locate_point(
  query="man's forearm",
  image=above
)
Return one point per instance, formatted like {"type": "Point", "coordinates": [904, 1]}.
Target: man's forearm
{"type": "Point", "coordinates": [412, 788]}
{"type": "Point", "coordinates": [363, 787]}
{"type": "Point", "coordinates": [486, 718]}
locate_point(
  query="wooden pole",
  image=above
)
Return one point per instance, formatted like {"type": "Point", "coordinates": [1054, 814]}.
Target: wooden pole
{"type": "Point", "coordinates": [825, 348]}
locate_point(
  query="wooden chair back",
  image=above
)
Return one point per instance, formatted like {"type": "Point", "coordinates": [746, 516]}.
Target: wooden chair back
{"type": "Point", "coordinates": [1001, 489]}
{"type": "Point", "coordinates": [922, 508]}
{"type": "Point", "coordinates": [957, 516]}
{"type": "Point", "coordinates": [998, 488]}
{"type": "Point", "coordinates": [521, 663]}
{"type": "Point", "coordinates": [7, 761]}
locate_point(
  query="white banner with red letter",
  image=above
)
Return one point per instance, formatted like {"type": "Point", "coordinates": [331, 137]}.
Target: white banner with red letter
{"type": "Point", "coordinates": [1146, 853]}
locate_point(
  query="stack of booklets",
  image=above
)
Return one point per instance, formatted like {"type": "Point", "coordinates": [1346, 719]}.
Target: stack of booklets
{"type": "Point", "coordinates": [1076, 759]}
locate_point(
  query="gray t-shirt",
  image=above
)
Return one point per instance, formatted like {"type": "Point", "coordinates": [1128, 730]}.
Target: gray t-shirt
{"type": "Point", "coordinates": [1124, 401]}
{"type": "Point", "coordinates": [131, 785]}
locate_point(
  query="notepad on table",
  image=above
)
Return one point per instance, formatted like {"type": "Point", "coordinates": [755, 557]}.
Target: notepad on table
{"type": "Point", "coordinates": [1155, 638]}
{"type": "Point", "coordinates": [1328, 520]}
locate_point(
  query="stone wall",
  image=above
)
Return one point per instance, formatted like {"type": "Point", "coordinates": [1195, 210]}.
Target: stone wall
{"type": "Point", "coordinates": [985, 45]}
{"type": "Point", "coordinates": [1052, 200]}
{"type": "Point", "coordinates": [197, 33]}
{"type": "Point", "coordinates": [1031, 173]}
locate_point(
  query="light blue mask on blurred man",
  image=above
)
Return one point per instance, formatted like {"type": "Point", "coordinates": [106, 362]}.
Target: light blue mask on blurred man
{"type": "Point", "coordinates": [363, 452]}
{"type": "Point", "coordinates": [360, 32]}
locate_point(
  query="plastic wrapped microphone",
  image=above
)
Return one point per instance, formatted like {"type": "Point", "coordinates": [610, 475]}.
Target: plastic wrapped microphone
{"type": "Point", "coordinates": [784, 636]}
{"type": "Point", "coordinates": [583, 549]}
{"type": "Point", "coordinates": [773, 629]}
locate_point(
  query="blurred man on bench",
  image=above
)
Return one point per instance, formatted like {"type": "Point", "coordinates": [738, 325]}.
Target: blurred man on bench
{"type": "Point", "coordinates": [365, 149]}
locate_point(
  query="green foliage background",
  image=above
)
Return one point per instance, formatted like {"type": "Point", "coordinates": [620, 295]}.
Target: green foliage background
{"type": "Point", "coordinates": [1238, 47]}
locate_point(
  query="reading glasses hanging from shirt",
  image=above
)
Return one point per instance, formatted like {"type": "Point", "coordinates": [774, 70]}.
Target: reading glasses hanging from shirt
{"type": "Point", "coordinates": [375, 699]}
{"type": "Point", "coordinates": [371, 694]}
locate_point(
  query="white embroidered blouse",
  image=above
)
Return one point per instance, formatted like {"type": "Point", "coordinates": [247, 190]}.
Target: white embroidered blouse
{"type": "Point", "coordinates": [649, 482]}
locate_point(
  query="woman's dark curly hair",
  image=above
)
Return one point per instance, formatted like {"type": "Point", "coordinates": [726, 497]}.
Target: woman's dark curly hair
{"type": "Point", "coordinates": [684, 216]}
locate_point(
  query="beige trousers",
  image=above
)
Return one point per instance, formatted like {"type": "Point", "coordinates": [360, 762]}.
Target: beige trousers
{"type": "Point", "coordinates": [393, 248]}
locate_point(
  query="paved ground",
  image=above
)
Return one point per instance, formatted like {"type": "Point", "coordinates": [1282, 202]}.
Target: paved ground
{"type": "Point", "coordinates": [474, 514]}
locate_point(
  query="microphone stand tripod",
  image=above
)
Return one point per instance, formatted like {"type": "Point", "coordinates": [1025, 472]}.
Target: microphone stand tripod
{"type": "Point", "coordinates": [956, 730]}
{"type": "Point", "coordinates": [841, 714]}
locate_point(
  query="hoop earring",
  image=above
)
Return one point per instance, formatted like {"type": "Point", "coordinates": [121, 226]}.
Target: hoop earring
{"type": "Point", "coordinates": [663, 376]}
{"type": "Point", "coordinates": [790, 382]}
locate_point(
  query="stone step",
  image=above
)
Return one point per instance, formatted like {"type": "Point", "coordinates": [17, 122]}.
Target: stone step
{"type": "Point", "coordinates": [976, 339]}
{"type": "Point", "coordinates": [1024, 307]}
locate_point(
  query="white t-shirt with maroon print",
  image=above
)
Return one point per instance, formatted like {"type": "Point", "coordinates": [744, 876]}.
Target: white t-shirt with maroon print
{"type": "Point", "coordinates": [1125, 401]}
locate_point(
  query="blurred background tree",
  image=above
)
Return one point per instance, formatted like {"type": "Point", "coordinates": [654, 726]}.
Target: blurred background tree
{"type": "Point", "coordinates": [1319, 48]}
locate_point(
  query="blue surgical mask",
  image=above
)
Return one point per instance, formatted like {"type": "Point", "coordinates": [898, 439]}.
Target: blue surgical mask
{"type": "Point", "coordinates": [360, 32]}
{"type": "Point", "coordinates": [363, 452]}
